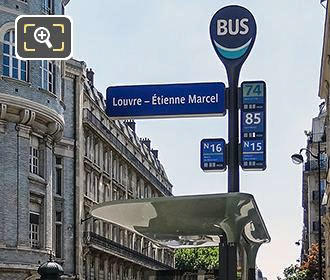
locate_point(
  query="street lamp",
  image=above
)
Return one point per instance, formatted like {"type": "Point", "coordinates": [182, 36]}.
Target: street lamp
{"type": "Point", "coordinates": [298, 159]}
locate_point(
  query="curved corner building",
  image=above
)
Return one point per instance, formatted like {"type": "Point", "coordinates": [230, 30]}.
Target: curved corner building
{"type": "Point", "coordinates": [59, 156]}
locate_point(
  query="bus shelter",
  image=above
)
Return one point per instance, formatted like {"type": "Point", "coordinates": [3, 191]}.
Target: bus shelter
{"type": "Point", "coordinates": [231, 221]}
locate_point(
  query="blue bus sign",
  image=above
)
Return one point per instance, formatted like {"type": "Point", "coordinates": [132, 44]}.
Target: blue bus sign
{"type": "Point", "coordinates": [166, 101]}
{"type": "Point", "coordinates": [213, 155]}
{"type": "Point", "coordinates": [233, 31]}
{"type": "Point", "coordinates": [253, 125]}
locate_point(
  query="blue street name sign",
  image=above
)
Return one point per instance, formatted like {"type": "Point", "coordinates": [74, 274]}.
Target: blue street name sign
{"type": "Point", "coordinates": [213, 155]}
{"type": "Point", "coordinates": [166, 101]}
{"type": "Point", "coordinates": [253, 125]}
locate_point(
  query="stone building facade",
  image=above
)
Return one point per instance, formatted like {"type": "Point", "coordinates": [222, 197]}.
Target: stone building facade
{"type": "Point", "coordinates": [111, 163]}
{"type": "Point", "coordinates": [36, 216]}
{"type": "Point", "coordinates": [324, 90]}
{"type": "Point", "coordinates": [59, 156]}
{"type": "Point", "coordinates": [310, 187]}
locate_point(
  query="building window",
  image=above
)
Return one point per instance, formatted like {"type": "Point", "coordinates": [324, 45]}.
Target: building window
{"type": "Point", "coordinates": [58, 174]}
{"type": "Point", "coordinates": [86, 183]}
{"type": "Point", "coordinates": [105, 161]}
{"type": "Point", "coordinates": [100, 192]}
{"type": "Point", "coordinates": [86, 145]}
{"type": "Point", "coordinates": [146, 192]}
{"type": "Point", "coordinates": [11, 66]}
{"type": "Point", "coordinates": [121, 236]}
{"type": "Point", "coordinates": [35, 230]}
{"type": "Point", "coordinates": [114, 236]}
{"type": "Point", "coordinates": [141, 191]}
{"type": "Point", "coordinates": [58, 237]}
{"type": "Point", "coordinates": [114, 193]}
{"type": "Point", "coordinates": [130, 240]}
{"type": "Point", "coordinates": [120, 175]}
{"type": "Point", "coordinates": [47, 70]}
{"type": "Point", "coordinates": [34, 155]}
{"type": "Point", "coordinates": [114, 169]}
{"type": "Point", "coordinates": [96, 152]}
{"type": "Point", "coordinates": [48, 7]}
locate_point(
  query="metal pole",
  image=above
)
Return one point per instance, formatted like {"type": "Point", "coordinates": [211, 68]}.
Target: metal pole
{"type": "Point", "coordinates": [223, 257]}
{"type": "Point", "coordinates": [233, 150]}
{"type": "Point", "coordinates": [232, 261]}
{"type": "Point", "coordinates": [320, 215]}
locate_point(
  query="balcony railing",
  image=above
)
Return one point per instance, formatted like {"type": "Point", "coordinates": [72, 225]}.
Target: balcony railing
{"type": "Point", "coordinates": [312, 165]}
{"type": "Point", "coordinates": [88, 116]}
{"type": "Point", "coordinates": [92, 238]}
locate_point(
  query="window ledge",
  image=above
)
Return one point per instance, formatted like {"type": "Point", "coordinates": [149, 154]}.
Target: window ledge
{"type": "Point", "coordinates": [36, 178]}
{"type": "Point", "coordinates": [97, 167]}
{"type": "Point", "coordinates": [90, 199]}
{"type": "Point", "coordinates": [47, 92]}
{"type": "Point", "coordinates": [58, 197]}
{"type": "Point", "coordinates": [107, 175]}
{"type": "Point", "coordinates": [62, 104]}
{"type": "Point", "coordinates": [29, 249]}
{"type": "Point", "coordinates": [22, 1]}
{"type": "Point", "coordinates": [21, 82]}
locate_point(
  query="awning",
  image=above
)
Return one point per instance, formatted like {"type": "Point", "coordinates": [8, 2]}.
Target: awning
{"type": "Point", "coordinates": [189, 221]}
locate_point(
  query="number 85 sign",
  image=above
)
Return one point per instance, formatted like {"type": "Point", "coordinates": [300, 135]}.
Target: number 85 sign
{"type": "Point", "coordinates": [253, 122]}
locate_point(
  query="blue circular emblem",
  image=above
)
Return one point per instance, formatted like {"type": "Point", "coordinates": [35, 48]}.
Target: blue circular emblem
{"type": "Point", "coordinates": [233, 31]}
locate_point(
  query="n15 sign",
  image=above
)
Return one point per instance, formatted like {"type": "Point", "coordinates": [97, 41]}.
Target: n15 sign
{"type": "Point", "coordinates": [253, 125]}
{"type": "Point", "coordinates": [213, 155]}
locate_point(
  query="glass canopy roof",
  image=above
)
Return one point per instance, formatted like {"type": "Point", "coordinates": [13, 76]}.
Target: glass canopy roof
{"type": "Point", "coordinates": [189, 221]}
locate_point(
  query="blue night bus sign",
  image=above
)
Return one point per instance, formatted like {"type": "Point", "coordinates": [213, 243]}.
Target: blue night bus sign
{"type": "Point", "coordinates": [213, 155]}
{"type": "Point", "coordinates": [253, 125]}
{"type": "Point", "coordinates": [166, 101]}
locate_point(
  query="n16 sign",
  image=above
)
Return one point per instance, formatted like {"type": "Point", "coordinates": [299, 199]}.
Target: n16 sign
{"type": "Point", "coordinates": [213, 155]}
{"type": "Point", "coordinates": [253, 125]}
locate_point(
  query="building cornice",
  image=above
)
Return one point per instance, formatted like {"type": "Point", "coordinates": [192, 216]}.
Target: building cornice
{"type": "Point", "coordinates": [29, 113]}
{"type": "Point", "coordinates": [10, 11]}
{"type": "Point", "coordinates": [325, 61]}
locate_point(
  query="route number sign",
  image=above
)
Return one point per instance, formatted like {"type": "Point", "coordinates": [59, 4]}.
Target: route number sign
{"type": "Point", "coordinates": [253, 125]}
{"type": "Point", "coordinates": [213, 155]}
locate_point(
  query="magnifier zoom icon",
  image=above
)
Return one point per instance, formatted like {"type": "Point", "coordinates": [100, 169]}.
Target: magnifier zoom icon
{"type": "Point", "coordinates": [42, 35]}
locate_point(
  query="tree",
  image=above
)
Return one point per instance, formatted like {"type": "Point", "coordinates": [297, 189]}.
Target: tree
{"type": "Point", "coordinates": [294, 272]}
{"type": "Point", "coordinates": [308, 270]}
{"type": "Point", "coordinates": [197, 258]}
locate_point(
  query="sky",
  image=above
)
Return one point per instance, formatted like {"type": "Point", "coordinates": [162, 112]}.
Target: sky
{"type": "Point", "coordinates": [132, 42]}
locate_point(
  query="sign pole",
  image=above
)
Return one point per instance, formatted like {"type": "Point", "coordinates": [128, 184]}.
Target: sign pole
{"type": "Point", "coordinates": [233, 136]}
{"type": "Point", "coordinates": [233, 32]}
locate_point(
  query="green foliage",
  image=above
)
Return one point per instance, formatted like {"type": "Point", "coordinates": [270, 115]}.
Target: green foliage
{"type": "Point", "coordinates": [308, 270]}
{"type": "Point", "coordinates": [294, 272]}
{"type": "Point", "coordinates": [197, 258]}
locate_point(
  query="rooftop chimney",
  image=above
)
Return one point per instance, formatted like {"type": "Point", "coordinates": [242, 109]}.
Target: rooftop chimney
{"type": "Point", "coordinates": [131, 124]}
{"type": "Point", "coordinates": [90, 76]}
{"type": "Point", "coordinates": [146, 142]}
{"type": "Point", "coordinates": [155, 152]}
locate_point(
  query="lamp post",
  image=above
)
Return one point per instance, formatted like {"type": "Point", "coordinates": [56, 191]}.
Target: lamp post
{"type": "Point", "coordinates": [298, 159]}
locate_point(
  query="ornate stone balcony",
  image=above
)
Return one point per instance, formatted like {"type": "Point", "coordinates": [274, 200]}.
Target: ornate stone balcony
{"type": "Point", "coordinates": [99, 242]}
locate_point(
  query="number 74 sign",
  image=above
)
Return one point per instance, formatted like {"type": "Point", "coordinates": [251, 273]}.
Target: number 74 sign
{"type": "Point", "coordinates": [253, 125]}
